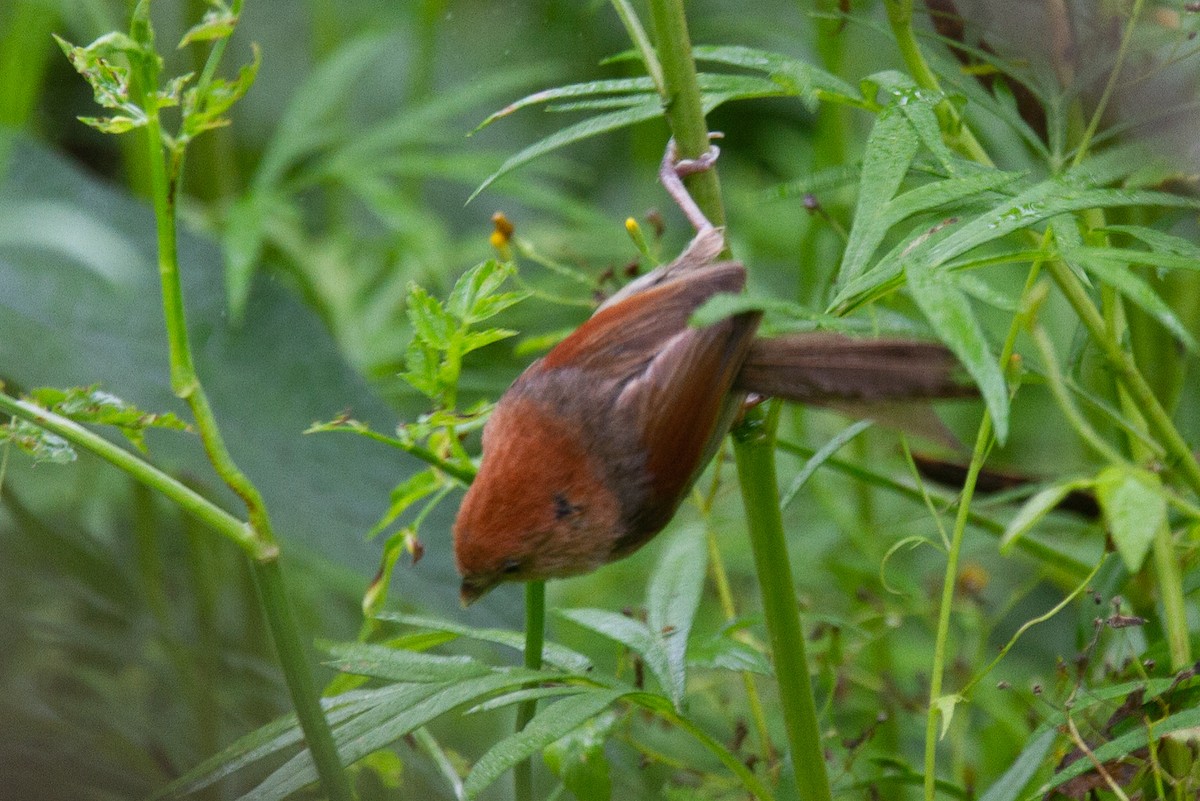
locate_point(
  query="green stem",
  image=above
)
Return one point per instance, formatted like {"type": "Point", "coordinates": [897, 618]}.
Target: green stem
{"type": "Point", "coordinates": [957, 135]}
{"type": "Point", "coordinates": [682, 103]}
{"type": "Point", "coordinates": [1128, 374]}
{"type": "Point", "coordinates": [754, 446]}
{"type": "Point", "coordinates": [186, 385]}
{"type": "Point", "coordinates": [754, 451]}
{"type": "Point", "coordinates": [949, 582]}
{"type": "Point", "coordinates": [535, 637]}
{"type": "Point", "coordinates": [1109, 87]}
{"type": "Point", "coordinates": [183, 496]}
{"type": "Point", "coordinates": [983, 440]}
{"type": "Point", "coordinates": [268, 577]}
{"type": "Point", "coordinates": [637, 34]}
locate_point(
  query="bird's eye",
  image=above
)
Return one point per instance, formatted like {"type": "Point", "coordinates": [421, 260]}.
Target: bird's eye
{"type": "Point", "coordinates": [563, 508]}
{"type": "Point", "coordinates": [511, 566]}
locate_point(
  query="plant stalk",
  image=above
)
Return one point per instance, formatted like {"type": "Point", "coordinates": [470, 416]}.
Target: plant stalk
{"type": "Point", "coordinates": [186, 385]}
{"type": "Point", "coordinates": [754, 451]}
{"type": "Point", "coordinates": [754, 442]}
{"type": "Point", "coordinates": [682, 103]}
{"type": "Point", "coordinates": [535, 638]}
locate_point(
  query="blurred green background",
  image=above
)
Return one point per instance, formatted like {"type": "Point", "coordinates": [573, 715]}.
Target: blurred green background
{"type": "Point", "coordinates": [130, 645]}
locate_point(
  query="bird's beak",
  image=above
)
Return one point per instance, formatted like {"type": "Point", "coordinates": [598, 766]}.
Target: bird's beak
{"type": "Point", "coordinates": [475, 587]}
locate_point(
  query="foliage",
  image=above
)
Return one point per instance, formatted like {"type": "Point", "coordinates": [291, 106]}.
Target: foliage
{"type": "Point", "coordinates": [882, 173]}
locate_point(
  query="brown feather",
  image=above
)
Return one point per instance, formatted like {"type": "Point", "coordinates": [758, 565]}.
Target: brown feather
{"type": "Point", "coordinates": [824, 368]}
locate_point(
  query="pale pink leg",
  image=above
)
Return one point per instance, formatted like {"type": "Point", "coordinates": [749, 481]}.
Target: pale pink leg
{"type": "Point", "coordinates": [672, 172]}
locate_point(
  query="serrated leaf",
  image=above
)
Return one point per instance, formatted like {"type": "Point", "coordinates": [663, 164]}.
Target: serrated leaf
{"type": "Point", "coordinates": [474, 340]}
{"type": "Point", "coordinates": [406, 493]}
{"type": "Point", "coordinates": [204, 105]}
{"type": "Point", "coordinates": [1034, 509]}
{"type": "Point", "coordinates": [672, 598]}
{"type": "Point", "coordinates": [550, 724]}
{"type": "Point", "coordinates": [476, 284]}
{"type": "Point", "coordinates": [431, 324]}
{"type": "Point", "coordinates": [37, 443]}
{"type": "Point", "coordinates": [422, 363]}
{"type": "Point", "coordinates": [950, 314]}
{"type": "Point", "coordinates": [94, 406]}
{"type": "Point", "coordinates": [217, 23]}
{"type": "Point", "coordinates": [1135, 508]}
{"type": "Point", "coordinates": [113, 125]}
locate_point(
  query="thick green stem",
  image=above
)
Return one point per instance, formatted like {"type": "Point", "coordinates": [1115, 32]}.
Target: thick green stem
{"type": "Point", "coordinates": [682, 104]}
{"type": "Point", "coordinates": [186, 385]}
{"type": "Point", "coordinates": [754, 450]}
{"type": "Point", "coordinates": [535, 637]}
{"type": "Point", "coordinates": [299, 678]}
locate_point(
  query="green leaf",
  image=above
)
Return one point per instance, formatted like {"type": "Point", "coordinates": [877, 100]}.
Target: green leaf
{"type": "Point", "coordinates": [945, 706]}
{"type": "Point", "coordinates": [204, 105]}
{"type": "Point", "coordinates": [431, 324]}
{"type": "Point", "coordinates": [890, 150]}
{"type": "Point", "coordinates": [796, 76]}
{"type": "Point", "coordinates": [407, 708]}
{"type": "Point", "coordinates": [821, 456]}
{"type": "Point", "coordinates": [950, 314]}
{"type": "Point", "coordinates": [1050, 198]}
{"type": "Point", "coordinates": [1023, 768]}
{"type": "Point", "coordinates": [1160, 241]}
{"type": "Point", "coordinates": [218, 23]}
{"type": "Point", "coordinates": [579, 761]}
{"type": "Point", "coordinates": [1035, 509]}
{"type": "Point", "coordinates": [118, 124]}
{"type": "Point", "coordinates": [414, 488]}
{"type": "Point", "coordinates": [648, 109]}
{"type": "Point", "coordinates": [631, 633]}
{"type": "Point", "coordinates": [1135, 508]}
{"type": "Point", "coordinates": [673, 596]}
{"type": "Point", "coordinates": [93, 405]}
{"type": "Point", "coordinates": [550, 724]}
{"type": "Point", "coordinates": [623, 86]}
{"type": "Point", "coordinates": [37, 443]}
{"type": "Point", "coordinates": [723, 651]}
{"type": "Point", "coordinates": [398, 664]}
{"type": "Point", "coordinates": [477, 283]}
{"type": "Point", "coordinates": [552, 653]}
{"type": "Point", "coordinates": [1132, 287]}
{"type": "Point", "coordinates": [474, 340]}
{"type": "Point", "coordinates": [1125, 744]}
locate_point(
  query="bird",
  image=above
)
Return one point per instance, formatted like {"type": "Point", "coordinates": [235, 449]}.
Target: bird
{"type": "Point", "coordinates": [591, 450]}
